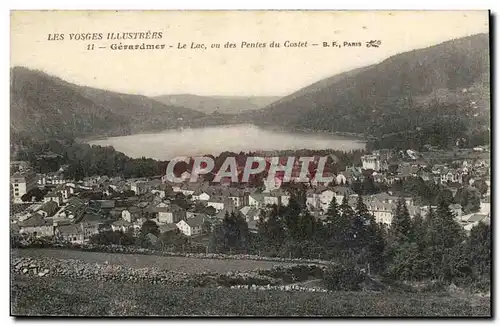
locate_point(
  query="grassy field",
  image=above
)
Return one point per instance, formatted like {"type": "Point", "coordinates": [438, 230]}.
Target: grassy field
{"type": "Point", "coordinates": [178, 264]}
{"type": "Point", "coordinates": [69, 297]}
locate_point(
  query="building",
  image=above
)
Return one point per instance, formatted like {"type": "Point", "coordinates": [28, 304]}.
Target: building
{"type": "Point", "coordinates": [217, 202]}
{"type": "Point", "coordinates": [272, 197]}
{"type": "Point", "coordinates": [74, 209]}
{"type": "Point", "coordinates": [52, 178]}
{"type": "Point", "coordinates": [371, 162]}
{"type": "Point", "coordinates": [256, 200]}
{"type": "Point", "coordinates": [71, 233]}
{"type": "Point", "coordinates": [140, 187]}
{"type": "Point", "coordinates": [37, 226]}
{"type": "Point", "coordinates": [201, 195]}
{"type": "Point", "coordinates": [192, 226]}
{"type": "Point", "coordinates": [237, 197]}
{"type": "Point", "coordinates": [22, 183]}
{"type": "Point", "coordinates": [382, 212]}
{"type": "Point", "coordinates": [121, 225]}
{"type": "Point", "coordinates": [54, 197]}
{"type": "Point", "coordinates": [48, 209]}
{"type": "Point", "coordinates": [475, 219]}
{"type": "Point", "coordinates": [170, 214]}
{"type": "Point", "coordinates": [168, 228]}
{"type": "Point", "coordinates": [250, 213]}
{"type": "Point", "coordinates": [131, 214]}
{"type": "Point", "coordinates": [325, 198]}
{"type": "Point", "coordinates": [485, 205]}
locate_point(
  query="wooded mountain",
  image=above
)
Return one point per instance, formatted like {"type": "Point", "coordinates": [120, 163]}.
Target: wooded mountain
{"type": "Point", "coordinates": [219, 104]}
{"type": "Point", "coordinates": [441, 90]}
{"type": "Point", "coordinates": [44, 106]}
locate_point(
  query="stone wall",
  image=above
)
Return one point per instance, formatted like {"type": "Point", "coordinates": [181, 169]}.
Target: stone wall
{"type": "Point", "coordinates": [73, 268]}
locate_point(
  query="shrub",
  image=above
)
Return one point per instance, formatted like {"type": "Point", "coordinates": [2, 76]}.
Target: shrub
{"type": "Point", "coordinates": [343, 277]}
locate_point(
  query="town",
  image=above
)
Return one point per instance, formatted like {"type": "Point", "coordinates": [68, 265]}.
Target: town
{"type": "Point", "coordinates": [48, 205]}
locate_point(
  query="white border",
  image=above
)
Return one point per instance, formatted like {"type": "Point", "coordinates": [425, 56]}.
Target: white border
{"type": "Point", "coordinates": [189, 4]}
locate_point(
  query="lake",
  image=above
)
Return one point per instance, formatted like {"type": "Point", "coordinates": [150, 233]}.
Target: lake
{"type": "Point", "coordinates": [214, 140]}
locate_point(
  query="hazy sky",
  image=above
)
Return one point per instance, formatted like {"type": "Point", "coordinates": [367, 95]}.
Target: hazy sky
{"type": "Point", "coordinates": [268, 71]}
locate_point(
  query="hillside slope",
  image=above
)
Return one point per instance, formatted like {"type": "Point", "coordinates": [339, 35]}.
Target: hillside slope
{"type": "Point", "coordinates": [44, 106]}
{"type": "Point", "coordinates": [444, 86]}
{"type": "Point", "coordinates": [220, 104]}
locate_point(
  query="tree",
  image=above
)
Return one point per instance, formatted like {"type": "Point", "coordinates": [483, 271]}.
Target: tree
{"type": "Point", "coordinates": [408, 262]}
{"type": "Point", "coordinates": [271, 231]}
{"type": "Point", "coordinates": [231, 234]}
{"type": "Point", "coordinates": [291, 214]}
{"type": "Point", "coordinates": [346, 233]}
{"type": "Point", "coordinates": [481, 186]}
{"type": "Point", "coordinates": [479, 243]}
{"type": "Point", "coordinates": [443, 233]}
{"type": "Point", "coordinates": [469, 198]}
{"type": "Point", "coordinates": [369, 241]}
{"type": "Point", "coordinates": [332, 213]}
{"type": "Point", "coordinates": [445, 195]}
{"type": "Point", "coordinates": [401, 223]}
{"type": "Point", "coordinates": [150, 226]}
{"type": "Point", "coordinates": [418, 229]}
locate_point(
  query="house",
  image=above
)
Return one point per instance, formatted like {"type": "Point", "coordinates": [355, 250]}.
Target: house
{"type": "Point", "coordinates": [250, 213]}
{"type": "Point", "coordinates": [121, 225]}
{"type": "Point", "coordinates": [192, 226]}
{"type": "Point", "coordinates": [456, 209]}
{"type": "Point", "coordinates": [74, 209]}
{"type": "Point", "coordinates": [170, 214]}
{"type": "Point", "coordinates": [312, 201]}
{"type": "Point", "coordinates": [105, 204]}
{"type": "Point", "coordinates": [340, 179]}
{"type": "Point", "coordinates": [70, 233]}
{"type": "Point", "coordinates": [140, 187]}
{"type": "Point", "coordinates": [22, 183]}
{"type": "Point", "coordinates": [131, 214]}
{"type": "Point", "coordinates": [485, 205]}
{"type": "Point", "coordinates": [272, 197]}
{"type": "Point", "coordinates": [37, 226]}
{"type": "Point", "coordinates": [168, 228]}
{"type": "Point", "coordinates": [325, 198]}
{"type": "Point", "coordinates": [380, 178]}
{"type": "Point", "coordinates": [217, 202]}
{"type": "Point", "coordinates": [91, 228]}
{"type": "Point", "coordinates": [200, 195]}
{"type": "Point", "coordinates": [381, 211]}
{"type": "Point", "coordinates": [54, 197]}
{"type": "Point", "coordinates": [389, 199]}
{"type": "Point", "coordinates": [236, 196]}
{"type": "Point", "coordinates": [341, 192]}
{"type": "Point", "coordinates": [52, 178]}
{"type": "Point", "coordinates": [371, 162]}
{"type": "Point", "coordinates": [186, 189]}
{"type": "Point", "coordinates": [256, 199]}
{"type": "Point", "coordinates": [475, 219]}
{"type": "Point", "coordinates": [353, 173]}
{"type": "Point", "coordinates": [159, 193]}
{"type": "Point", "coordinates": [48, 209]}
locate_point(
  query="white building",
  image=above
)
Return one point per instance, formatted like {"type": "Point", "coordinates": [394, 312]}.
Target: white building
{"type": "Point", "coordinates": [256, 200]}
{"type": "Point", "coordinates": [170, 214]}
{"type": "Point", "coordinates": [371, 162]}
{"type": "Point", "coordinates": [216, 202]}
{"type": "Point", "coordinates": [22, 182]}
{"type": "Point", "coordinates": [192, 226]}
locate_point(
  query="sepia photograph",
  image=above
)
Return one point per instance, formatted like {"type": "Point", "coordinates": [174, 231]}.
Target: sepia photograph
{"type": "Point", "coordinates": [284, 163]}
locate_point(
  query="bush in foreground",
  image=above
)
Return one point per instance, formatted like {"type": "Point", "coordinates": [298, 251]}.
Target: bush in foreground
{"type": "Point", "coordinates": [343, 277]}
